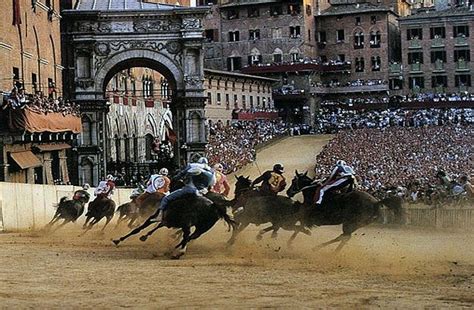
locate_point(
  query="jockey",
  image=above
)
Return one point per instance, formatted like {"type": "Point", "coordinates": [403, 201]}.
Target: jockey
{"type": "Point", "coordinates": [198, 178]}
{"type": "Point", "coordinates": [82, 193]}
{"type": "Point", "coordinates": [341, 176]}
{"type": "Point", "coordinates": [106, 188]}
{"type": "Point", "coordinates": [222, 185]}
{"type": "Point", "coordinates": [272, 181]}
{"type": "Point", "coordinates": [159, 183]}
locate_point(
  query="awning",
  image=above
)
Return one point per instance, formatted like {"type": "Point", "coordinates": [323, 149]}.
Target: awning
{"type": "Point", "coordinates": [52, 147]}
{"type": "Point", "coordinates": [26, 159]}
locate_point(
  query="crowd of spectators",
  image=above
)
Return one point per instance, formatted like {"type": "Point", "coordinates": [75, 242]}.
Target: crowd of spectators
{"type": "Point", "coordinates": [354, 83]}
{"type": "Point", "coordinates": [17, 99]}
{"type": "Point", "coordinates": [306, 60]}
{"type": "Point", "coordinates": [234, 146]}
{"type": "Point", "coordinates": [401, 156]}
{"type": "Point", "coordinates": [334, 120]}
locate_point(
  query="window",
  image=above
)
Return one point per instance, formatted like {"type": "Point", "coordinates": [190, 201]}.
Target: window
{"type": "Point", "coordinates": [357, 21]}
{"type": "Point", "coordinates": [437, 32]}
{"type": "Point", "coordinates": [295, 32]}
{"type": "Point", "coordinates": [234, 63]}
{"type": "Point", "coordinates": [414, 34]}
{"type": "Point", "coordinates": [232, 14]}
{"type": "Point", "coordinates": [227, 101]}
{"type": "Point", "coordinates": [322, 37]}
{"type": "Point", "coordinates": [295, 56]}
{"type": "Point", "coordinates": [251, 102]}
{"type": "Point", "coordinates": [277, 58]}
{"type": "Point", "coordinates": [234, 36]}
{"type": "Point", "coordinates": [395, 84]}
{"type": "Point", "coordinates": [219, 98]}
{"type": "Point", "coordinates": [34, 82]}
{"type": "Point", "coordinates": [212, 35]}
{"type": "Point", "coordinates": [417, 82]}
{"type": "Point", "coordinates": [276, 33]}
{"type": "Point", "coordinates": [437, 56]}
{"type": "Point", "coordinates": [276, 10]}
{"type": "Point", "coordinates": [340, 35]}
{"type": "Point", "coordinates": [254, 59]}
{"type": "Point", "coordinates": [308, 10]}
{"type": "Point", "coordinates": [359, 40]}
{"type": "Point", "coordinates": [309, 35]}
{"type": "Point", "coordinates": [359, 64]}
{"type": "Point", "coordinates": [244, 102]}
{"type": "Point", "coordinates": [462, 55]}
{"type": "Point", "coordinates": [416, 57]}
{"type": "Point", "coordinates": [233, 86]}
{"type": "Point", "coordinates": [376, 63]}
{"type": "Point", "coordinates": [461, 31]}
{"type": "Point", "coordinates": [254, 34]}
{"type": "Point", "coordinates": [373, 19]}
{"type": "Point", "coordinates": [236, 103]}
{"type": "Point", "coordinates": [439, 81]}
{"type": "Point", "coordinates": [209, 98]}
{"type": "Point", "coordinates": [294, 9]}
{"type": "Point", "coordinates": [253, 12]}
{"type": "Point", "coordinates": [375, 38]}
{"type": "Point", "coordinates": [462, 80]}
{"type": "Point", "coordinates": [341, 57]}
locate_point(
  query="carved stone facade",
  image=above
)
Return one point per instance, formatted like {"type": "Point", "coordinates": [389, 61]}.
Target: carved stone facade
{"type": "Point", "coordinates": [100, 44]}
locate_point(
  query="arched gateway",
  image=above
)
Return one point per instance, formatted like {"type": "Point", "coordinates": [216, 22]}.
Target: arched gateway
{"type": "Point", "coordinates": [103, 38]}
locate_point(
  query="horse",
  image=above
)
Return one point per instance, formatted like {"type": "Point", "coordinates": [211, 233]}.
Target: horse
{"type": "Point", "coordinates": [184, 213]}
{"type": "Point", "coordinates": [251, 207]}
{"type": "Point", "coordinates": [99, 208]}
{"type": "Point", "coordinates": [140, 207]}
{"type": "Point", "coordinates": [353, 210]}
{"type": "Point", "coordinates": [68, 210]}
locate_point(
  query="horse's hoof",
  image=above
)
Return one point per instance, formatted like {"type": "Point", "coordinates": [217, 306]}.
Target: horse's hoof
{"type": "Point", "coordinates": [116, 242]}
{"type": "Point", "coordinates": [143, 238]}
{"type": "Point", "coordinates": [177, 255]}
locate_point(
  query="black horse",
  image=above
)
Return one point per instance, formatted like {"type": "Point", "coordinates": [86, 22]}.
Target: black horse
{"type": "Point", "coordinates": [251, 207]}
{"type": "Point", "coordinates": [185, 213]}
{"type": "Point", "coordinates": [68, 210]}
{"type": "Point", "coordinates": [353, 210]}
{"type": "Point", "coordinates": [99, 208]}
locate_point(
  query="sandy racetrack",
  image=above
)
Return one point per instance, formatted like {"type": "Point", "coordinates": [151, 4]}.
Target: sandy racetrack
{"type": "Point", "coordinates": [394, 267]}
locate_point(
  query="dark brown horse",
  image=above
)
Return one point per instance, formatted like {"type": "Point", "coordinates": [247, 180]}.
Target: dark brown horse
{"type": "Point", "coordinates": [101, 207]}
{"type": "Point", "coordinates": [139, 208]}
{"type": "Point", "coordinates": [251, 207]}
{"type": "Point", "coordinates": [353, 210]}
{"type": "Point", "coordinates": [68, 210]}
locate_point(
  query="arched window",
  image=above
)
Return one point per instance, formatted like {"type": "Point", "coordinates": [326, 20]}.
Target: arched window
{"type": "Point", "coordinates": [277, 55]}
{"type": "Point", "coordinates": [86, 131]}
{"type": "Point", "coordinates": [135, 148]}
{"type": "Point", "coordinates": [255, 57]}
{"type": "Point", "coordinates": [358, 40]}
{"type": "Point", "coordinates": [294, 54]}
{"type": "Point", "coordinates": [195, 128]}
{"type": "Point", "coordinates": [87, 174]}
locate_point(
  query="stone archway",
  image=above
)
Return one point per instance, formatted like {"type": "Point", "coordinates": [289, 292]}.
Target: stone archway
{"type": "Point", "coordinates": [100, 43]}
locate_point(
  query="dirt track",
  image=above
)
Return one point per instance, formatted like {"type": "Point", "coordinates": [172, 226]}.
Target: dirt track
{"type": "Point", "coordinates": [396, 268]}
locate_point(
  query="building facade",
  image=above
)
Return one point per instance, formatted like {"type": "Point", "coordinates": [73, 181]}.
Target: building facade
{"type": "Point", "coordinates": [30, 46]}
{"type": "Point", "coordinates": [438, 50]}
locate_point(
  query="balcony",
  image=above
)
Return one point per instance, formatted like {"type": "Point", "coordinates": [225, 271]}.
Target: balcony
{"type": "Point", "coordinates": [395, 69]}
{"type": "Point", "coordinates": [296, 67]}
{"type": "Point", "coordinates": [349, 89]}
{"type": "Point", "coordinates": [440, 89]}
{"type": "Point", "coordinates": [415, 68]}
{"type": "Point", "coordinates": [437, 42]}
{"type": "Point", "coordinates": [414, 44]}
{"type": "Point", "coordinates": [461, 41]}
{"type": "Point", "coordinates": [439, 66]}
{"type": "Point", "coordinates": [462, 65]}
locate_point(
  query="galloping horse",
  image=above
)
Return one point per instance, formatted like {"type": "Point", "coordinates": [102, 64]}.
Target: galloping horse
{"type": "Point", "coordinates": [139, 208]}
{"type": "Point", "coordinates": [353, 210]}
{"type": "Point", "coordinates": [99, 208]}
{"type": "Point", "coordinates": [68, 210]}
{"type": "Point", "coordinates": [250, 207]}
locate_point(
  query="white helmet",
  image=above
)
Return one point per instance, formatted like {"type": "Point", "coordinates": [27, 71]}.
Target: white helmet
{"type": "Point", "coordinates": [218, 167]}
{"type": "Point", "coordinates": [109, 177]}
{"type": "Point", "coordinates": [163, 171]}
{"type": "Point", "coordinates": [340, 163]}
{"type": "Point", "coordinates": [86, 186]}
{"type": "Point", "coordinates": [203, 160]}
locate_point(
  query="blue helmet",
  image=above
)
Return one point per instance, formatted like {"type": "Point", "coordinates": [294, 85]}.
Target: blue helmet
{"type": "Point", "coordinates": [203, 160]}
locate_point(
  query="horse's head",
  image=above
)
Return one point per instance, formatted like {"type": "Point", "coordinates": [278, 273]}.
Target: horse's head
{"type": "Point", "coordinates": [300, 180]}
{"type": "Point", "coordinates": [242, 184]}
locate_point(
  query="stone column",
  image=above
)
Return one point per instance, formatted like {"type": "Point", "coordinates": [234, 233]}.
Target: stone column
{"type": "Point", "coordinates": [48, 173]}
{"type": "Point", "coordinates": [30, 175]}
{"type": "Point", "coordinates": [63, 166]}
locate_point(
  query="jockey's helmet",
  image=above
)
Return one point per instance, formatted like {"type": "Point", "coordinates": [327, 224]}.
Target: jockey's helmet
{"type": "Point", "coordinates": [218, 167]}
{"type": "Point", "coordinates": [86, 186]}
{"type": "Point", "coordinates": [110, 177]}
{"type": "Point", "coordinates": [340, 163]}
{"type": "Point", "coordinates": [278, 168]}
{"type": "Point", "coordinates": [163, 171]}
{"type": "Point", "coordinates": [203, 160]}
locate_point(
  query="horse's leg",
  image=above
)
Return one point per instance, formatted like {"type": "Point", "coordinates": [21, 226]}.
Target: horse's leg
{"type": "Point", "coordinates": [108, 219]}
{"type": "Point", "coordinates": [275, 232]}
{"type": "Point", "coordinates": [322, 245]}
{"type": "Point", "coordinates": [263, 231]}
{"type": "Point", "coordinates": [135, 231]}
{"type": "Point", "coordinates": [144, 237]}
{"type": "Point", "coordinates": [344, 240]}
{"type": "Point", "coordinates": [120, 220]}
{"type": "Point", "coordinates": [180, 249]}
{"type": "Point", "coordinates": [86, 222]}
{"type": "Point", "coordinates": [237, 231]}
{"type": "Point", "coordinates": [61, 225]}
{"type": "Point", "coordinates": [53, 221]}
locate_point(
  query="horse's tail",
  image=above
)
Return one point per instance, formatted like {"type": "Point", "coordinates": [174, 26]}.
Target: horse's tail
{"type": "Point", "coordinates": [394, 204]}
{"type": "Point", "coordinates": [222, 213]}
{"type": "Point", "coordinates": [63, 199]}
